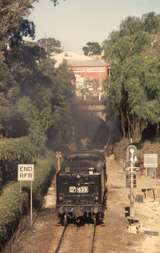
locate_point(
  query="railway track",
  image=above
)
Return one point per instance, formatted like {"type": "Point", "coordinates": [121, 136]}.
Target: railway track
{"type": "Point", "coordinates": [63, 235]}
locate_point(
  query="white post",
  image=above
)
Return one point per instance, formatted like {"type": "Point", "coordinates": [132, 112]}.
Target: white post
{"type": "Point", "coordinates": [31, 206]}
{"type": "Point", "coordinates": [132, 213]}
{"type": "Point", "coordinates": [20, 186]}
{"type": "Point", "coordinates": [155, 182]}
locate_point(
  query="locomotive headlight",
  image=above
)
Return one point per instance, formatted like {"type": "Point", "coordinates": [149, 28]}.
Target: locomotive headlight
{"type": "Point", "coordinates": [91, 171]}
{"type": "Point", "coordinates": [60, 198]}
{"type": "Point", "coordinates": [96, 198]}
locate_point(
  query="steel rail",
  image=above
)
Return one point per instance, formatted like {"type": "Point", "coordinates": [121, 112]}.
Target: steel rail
{"type": "Point", "coordinates": [61, 239]}
{"type": "Point", "coordinates": [107, 143]}
{"type": "Point", "coordinates": [93, 237]}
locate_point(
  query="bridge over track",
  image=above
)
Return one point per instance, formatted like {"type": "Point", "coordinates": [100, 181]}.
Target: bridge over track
{"type": "Point", "coordinates": [93, 106]}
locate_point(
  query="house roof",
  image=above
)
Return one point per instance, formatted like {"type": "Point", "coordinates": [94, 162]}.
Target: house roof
{"type": "Point", "coordinates": [74, 59]}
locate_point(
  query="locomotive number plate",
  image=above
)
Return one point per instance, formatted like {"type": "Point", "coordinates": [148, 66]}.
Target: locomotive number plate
{"type": "Point", "coordinates": [78, 189]}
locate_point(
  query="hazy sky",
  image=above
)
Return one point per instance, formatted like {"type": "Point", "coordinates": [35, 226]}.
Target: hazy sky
{"type": "Point", "coordinates": [75, 22]}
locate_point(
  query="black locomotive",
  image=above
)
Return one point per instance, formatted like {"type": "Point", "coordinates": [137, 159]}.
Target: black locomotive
{"type": "Point", "coordinates": [81, 187]}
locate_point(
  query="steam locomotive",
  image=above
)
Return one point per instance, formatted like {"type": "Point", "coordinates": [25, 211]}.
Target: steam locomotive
{"type": "Point", "coordinates": [81, 187]}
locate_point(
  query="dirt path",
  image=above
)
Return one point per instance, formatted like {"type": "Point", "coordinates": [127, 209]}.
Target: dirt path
{"type": "Point", "coordinates": [113, 237]}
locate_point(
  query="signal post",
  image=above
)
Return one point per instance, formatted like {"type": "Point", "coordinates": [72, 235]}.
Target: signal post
{"type": "Point", "coordinates": [131, 179]}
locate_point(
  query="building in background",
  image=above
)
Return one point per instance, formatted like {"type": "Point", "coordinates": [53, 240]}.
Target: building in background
{"type": "Point", "coordinates": [90, 73]}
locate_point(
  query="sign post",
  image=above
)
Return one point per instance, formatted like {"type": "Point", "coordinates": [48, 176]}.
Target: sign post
{"type": "Point", "coordinates": [151, 165]}
{"type": "Point", "coordinates": [151, 162]}
{"type": "Point", "coordinates": [31, 206]}
{"type": "Point", "coordinates": [26, 173]}
{"type": "Point", "coordinates": [20, 186]}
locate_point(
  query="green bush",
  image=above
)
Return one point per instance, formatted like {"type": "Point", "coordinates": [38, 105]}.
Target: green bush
{"type": "Point", "coordinates": [12, 152]}
{"type": "Point", "coordinates": [16, 149]}
{"type": "Point", "coordinates": [12, 202]}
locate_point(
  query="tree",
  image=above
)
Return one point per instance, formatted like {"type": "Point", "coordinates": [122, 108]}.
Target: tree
{"type": "Point", "coordinates": [12, 13]}
{"type": "Point", "coordinates": [92, 48]}
{"type": "Point", "coordinates": [16, 34]}
{"type": "Point", "coordinates": [134, 91]}
{"type": "Point", "coordinates": [25, 86]}
{"type": "Point", "coordinates": [151, 22]}
{"type": "Point", "coordinates": [9, 90]}
{"type": "Point", "coordinates": [131, 25]}
{"type": "Point", "coordinates": [33, 93]}
{"type": "Point", "coordinates": [51, 45]}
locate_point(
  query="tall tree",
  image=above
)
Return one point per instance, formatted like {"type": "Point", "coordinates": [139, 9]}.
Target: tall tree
{"type": "Point", "coordinates": [92, 48]}
{"type": "Point", "coordinates": [134, 91]}
{"type": "Point", "coordinates": [11, 14]}
{"type": "Point", "coordinates": [51, 45]}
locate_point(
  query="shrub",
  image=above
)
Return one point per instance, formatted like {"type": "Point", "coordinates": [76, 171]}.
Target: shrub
{"type": "Point", "coordinates": [11, 203]}
{"type": "Point", "coordinates": [12, 152]}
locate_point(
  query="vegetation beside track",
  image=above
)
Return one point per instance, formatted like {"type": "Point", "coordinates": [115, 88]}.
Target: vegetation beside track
{"type": "Point", "coordinates": [35, 102]}
{"type": "Point", "coordinates": [12, 152]}
{"type": "Point", "coordinates": [14, 204]}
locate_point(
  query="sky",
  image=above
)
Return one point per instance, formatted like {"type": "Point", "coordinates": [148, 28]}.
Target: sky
{"type": "Point", "coordinates": [75, 22]}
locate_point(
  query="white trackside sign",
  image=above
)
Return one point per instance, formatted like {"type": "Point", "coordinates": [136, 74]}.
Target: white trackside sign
{"type": "Point", "coordinates": [151, 160]}
{"type": "Point", "coordinates": [25, 172]}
